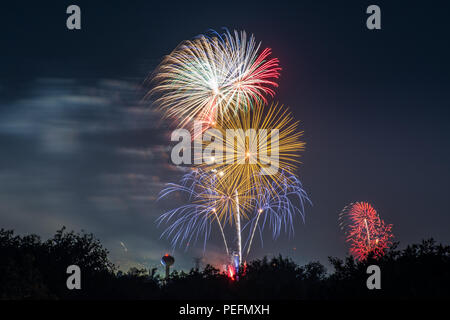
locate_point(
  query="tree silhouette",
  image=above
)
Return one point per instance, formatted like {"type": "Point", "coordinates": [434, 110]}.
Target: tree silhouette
{"type": "Point", "coordinates": [32, 269]}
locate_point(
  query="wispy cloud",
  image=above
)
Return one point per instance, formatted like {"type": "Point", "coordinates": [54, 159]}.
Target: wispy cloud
{"type": "Point", "coordinates": [87, 156]}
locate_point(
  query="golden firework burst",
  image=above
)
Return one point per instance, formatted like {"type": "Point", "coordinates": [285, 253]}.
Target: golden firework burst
{"type": "Point", "coordinates": [250, 150]}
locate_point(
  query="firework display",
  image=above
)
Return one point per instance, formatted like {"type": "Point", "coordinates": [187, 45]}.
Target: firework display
{"type": "Point", "coordinates": [226, 158]}
{"type": "Point", "coordinates": [221, 81]}
{"type": "Point", "coordinates": [365, 231]}
{"type": "Point", "coordinates": [204, 78]}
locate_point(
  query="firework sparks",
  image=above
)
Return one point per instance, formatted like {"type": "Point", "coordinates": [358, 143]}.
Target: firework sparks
{"type": "Point", "coordinates": [277, 207]}
{"type": "Point", "coordinates": [211, 202]}
{"type": "Point", "coordinates": [365, 231]}
{"type": "Point", "coordinates": [256, 147]}
{"type": "Point", "coordinates": [204, 78]}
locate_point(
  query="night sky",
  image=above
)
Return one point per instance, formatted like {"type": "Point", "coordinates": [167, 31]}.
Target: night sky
{"type": "Point", "coordinates": [79, 149]}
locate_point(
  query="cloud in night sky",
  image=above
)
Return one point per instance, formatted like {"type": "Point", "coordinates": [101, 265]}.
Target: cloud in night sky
{"type": "Point", "coordinates": [88, 157]}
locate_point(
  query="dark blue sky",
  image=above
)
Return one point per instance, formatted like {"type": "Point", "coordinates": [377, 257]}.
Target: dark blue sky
{"type": "Point", "coordinates": [77, 148]}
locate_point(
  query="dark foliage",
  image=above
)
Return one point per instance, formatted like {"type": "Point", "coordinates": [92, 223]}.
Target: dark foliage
{"type": "Point", "coordinates": [32, 269]}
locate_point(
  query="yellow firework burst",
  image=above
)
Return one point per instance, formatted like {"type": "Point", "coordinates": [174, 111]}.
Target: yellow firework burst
{"type": "Point", "coordinates": [251, 150]}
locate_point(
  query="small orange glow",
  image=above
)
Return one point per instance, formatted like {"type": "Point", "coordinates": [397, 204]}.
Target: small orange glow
{"type": "Point", "coordinates": [230, 273]}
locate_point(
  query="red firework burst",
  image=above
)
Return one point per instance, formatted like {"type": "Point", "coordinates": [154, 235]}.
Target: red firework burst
{"type": "Point", "coordinates": [365, 231]}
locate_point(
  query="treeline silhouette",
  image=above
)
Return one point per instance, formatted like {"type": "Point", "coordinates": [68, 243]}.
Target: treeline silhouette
{"type": "Point", "coordinates": [35, 269]}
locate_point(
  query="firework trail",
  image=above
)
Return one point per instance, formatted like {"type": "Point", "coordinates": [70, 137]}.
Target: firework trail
{"type": "Point", "coordinates": [238, 226]}
{"type": "Point", "coordinates": [123, 246]}
{"type": "Point", "coordinates": [365, 231]}
{"type": "Point", "coordinates": [204, 78]}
